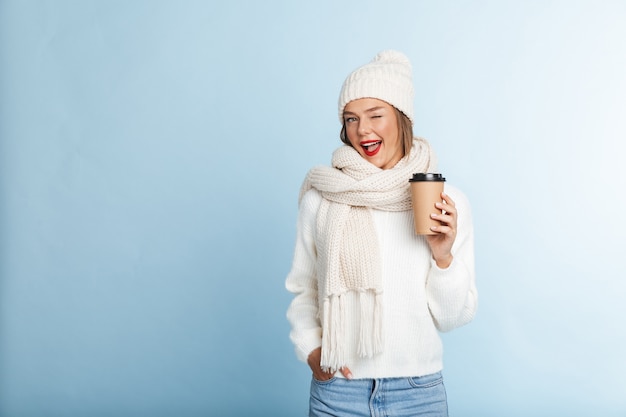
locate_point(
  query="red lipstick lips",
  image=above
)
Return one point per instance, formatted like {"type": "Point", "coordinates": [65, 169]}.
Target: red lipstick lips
{"type": "Point", "coordinates": [372, 147]}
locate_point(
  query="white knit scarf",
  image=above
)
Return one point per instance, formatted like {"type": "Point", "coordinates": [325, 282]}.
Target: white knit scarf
{"type": "Point", "coordinates": [348, 253]}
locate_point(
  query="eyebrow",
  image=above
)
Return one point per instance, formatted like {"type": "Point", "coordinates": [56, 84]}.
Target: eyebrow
{"type": "Point", "coordinates": [373, 109]}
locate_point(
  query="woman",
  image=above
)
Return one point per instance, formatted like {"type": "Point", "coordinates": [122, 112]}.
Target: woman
{"type": "Point", "coordinates": [369, 295]}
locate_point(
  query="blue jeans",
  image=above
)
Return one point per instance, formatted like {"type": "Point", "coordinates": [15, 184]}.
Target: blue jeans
{"type": "Point", "coordinates": [398, 397]}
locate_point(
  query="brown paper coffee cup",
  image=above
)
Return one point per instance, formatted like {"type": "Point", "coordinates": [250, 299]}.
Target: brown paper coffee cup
{"type": "Point", "coordinates": [426, 190]}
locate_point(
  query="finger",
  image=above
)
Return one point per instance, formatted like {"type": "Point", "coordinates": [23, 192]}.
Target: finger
{"type": "Point", "coordinates": [445, 197]}
{"type": "Point", "coordinates": [443, 230]}
{"type": "Point", "coordinates": [446, 208]}
{"type": "Point", "coordinates": [445, 219]}
{"type": "Point", "coordinates": [324, 376]}
{"type": "Point", "coordinates": [346, 372]}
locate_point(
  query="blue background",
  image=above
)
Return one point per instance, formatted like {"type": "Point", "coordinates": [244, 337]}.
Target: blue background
{"type": "Point", "coordinates": [150, 158]}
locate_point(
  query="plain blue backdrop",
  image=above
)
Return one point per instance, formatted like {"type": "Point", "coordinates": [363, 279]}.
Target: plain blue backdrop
{"type": "Point", "coordinates": [151, 154]}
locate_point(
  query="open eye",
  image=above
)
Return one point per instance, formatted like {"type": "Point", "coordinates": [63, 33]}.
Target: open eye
{"type": "Point", "coordinates": [350, 119]}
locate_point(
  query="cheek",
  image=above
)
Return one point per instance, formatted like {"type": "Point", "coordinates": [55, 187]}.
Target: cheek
{"type": "Point", "coordinates": [394, 133]}
{"type": "Point", "coordinates": [352, 137]}
{"type": "Point", "coordinates": [355, 144]}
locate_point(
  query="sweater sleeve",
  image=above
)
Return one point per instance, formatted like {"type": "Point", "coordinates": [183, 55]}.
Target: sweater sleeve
{"type": "Point", "coordinates": [451, 292]}
{"type": "Point", "coordinates": [302, 314]}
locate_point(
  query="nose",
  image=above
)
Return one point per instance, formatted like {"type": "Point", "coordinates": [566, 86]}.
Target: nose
{"type": "Point", "coordinates": [364, 127]}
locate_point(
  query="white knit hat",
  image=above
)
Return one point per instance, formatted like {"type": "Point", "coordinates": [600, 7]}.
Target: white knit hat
{"type": "Point", "coordinates": [387, 77]}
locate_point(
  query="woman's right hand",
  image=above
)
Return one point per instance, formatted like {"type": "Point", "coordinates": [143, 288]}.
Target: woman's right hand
{"type": "Point", "coordinates": [314, 360]}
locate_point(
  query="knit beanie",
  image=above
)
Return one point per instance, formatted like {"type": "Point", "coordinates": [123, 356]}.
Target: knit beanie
{"type": "Point", "coordinates": [387, 77]}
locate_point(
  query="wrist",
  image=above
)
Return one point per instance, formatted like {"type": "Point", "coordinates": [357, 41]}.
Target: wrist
{"type": "Point", "coordinates": [444, 261]}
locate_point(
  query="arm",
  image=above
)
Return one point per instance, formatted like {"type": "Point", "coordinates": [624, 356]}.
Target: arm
{"type": "Point", "coordinates": [451, 287]}
{"type": "Point", "coordinates": [302, 314]}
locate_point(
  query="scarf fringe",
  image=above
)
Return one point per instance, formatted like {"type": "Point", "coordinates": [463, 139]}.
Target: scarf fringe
{"type": "Point", "coordinates": [370, 329]}
{"type": "Point", "coordinates": [333, 356]}
{"type": "Point", "coordinates": [333, 333]}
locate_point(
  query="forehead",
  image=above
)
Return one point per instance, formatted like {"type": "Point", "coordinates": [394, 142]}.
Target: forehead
{"type": "Point", "coordinates": [365, 104]}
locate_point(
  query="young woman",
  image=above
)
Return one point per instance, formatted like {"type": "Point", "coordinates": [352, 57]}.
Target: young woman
{"type": "Point", "coordinates": [370, 296]}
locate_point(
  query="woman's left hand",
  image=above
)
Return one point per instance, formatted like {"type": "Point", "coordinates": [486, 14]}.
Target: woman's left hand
{"type": "Point", "coordinates": [441, 243]}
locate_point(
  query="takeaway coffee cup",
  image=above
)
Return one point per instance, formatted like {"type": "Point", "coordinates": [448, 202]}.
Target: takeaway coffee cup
{"type": "Point", "coordinates": [426, 190]}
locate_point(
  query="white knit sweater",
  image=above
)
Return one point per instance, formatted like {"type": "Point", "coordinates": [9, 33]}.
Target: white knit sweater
{"type": "Point", "coordinates": [419, 298]}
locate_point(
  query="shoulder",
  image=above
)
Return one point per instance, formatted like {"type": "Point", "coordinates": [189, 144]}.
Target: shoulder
{"type": "Point", "coordinates": [310, 203]}
{"type": "Point", "coordinates": [461, 201]}
{"type": "Point", "coordinates": [311, 198]}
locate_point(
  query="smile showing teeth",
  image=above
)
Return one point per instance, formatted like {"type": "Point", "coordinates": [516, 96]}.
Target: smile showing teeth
{"type": "Point", "coordinates": [371, 148]}
{"type": "Point", "coordinates": [369, 145]}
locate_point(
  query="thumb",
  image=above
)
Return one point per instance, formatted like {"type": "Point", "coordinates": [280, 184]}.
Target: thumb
{"type": "Point", "coordinates": [346, 372]}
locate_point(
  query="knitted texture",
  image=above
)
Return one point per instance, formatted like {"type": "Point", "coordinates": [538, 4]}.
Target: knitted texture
{"type": "Point", "coordinates": [387, 77]}
{"type": "Point", "coordinates": [348, 252]}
